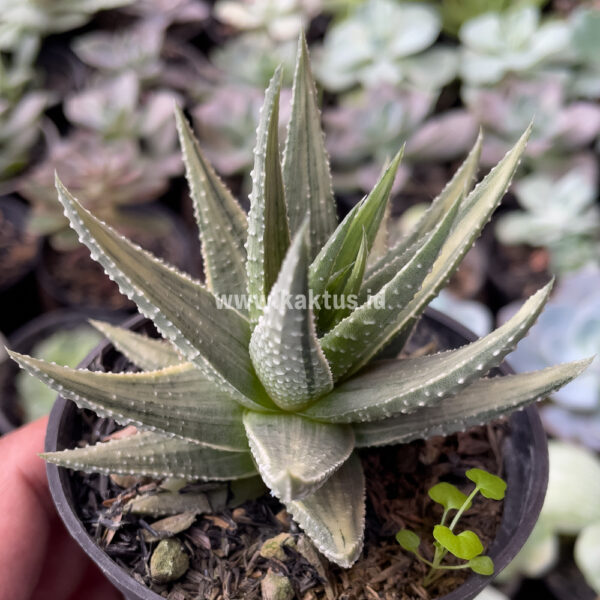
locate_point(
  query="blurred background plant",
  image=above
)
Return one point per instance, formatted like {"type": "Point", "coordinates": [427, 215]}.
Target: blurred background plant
{"type": "Point", "coordinates": [386, 42]}
{"type": "Point", "coordinates": [67, 348]}
{"type": "Point", "coordinates": [561, 214]}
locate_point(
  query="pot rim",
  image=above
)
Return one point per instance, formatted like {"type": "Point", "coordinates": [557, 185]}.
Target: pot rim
{"type": "Point", "coordinates": [57, 480]}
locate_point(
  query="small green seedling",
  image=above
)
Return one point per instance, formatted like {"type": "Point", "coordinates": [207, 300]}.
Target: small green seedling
{"type": "Point", "coordinates": [466, 545]}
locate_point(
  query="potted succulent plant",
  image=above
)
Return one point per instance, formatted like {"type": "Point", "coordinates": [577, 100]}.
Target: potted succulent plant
{"type": "Point", "coordinates": [285, 361]}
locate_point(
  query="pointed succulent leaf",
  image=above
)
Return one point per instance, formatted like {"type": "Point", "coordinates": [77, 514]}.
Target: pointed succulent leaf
{"type": "Point", "coordinates": [465, 545]}
{"type": "Point", "coordinates": [348, 294]}
{"type": "Point", "coordinates": [448, 495]}
{"type": "Point", "coordinates": [374, 322]}
{"type": "Point", "coordinates": [490, 486]}
{"type": "Point", "coordinates": [342, 247]}
{"type": "Point", "coordinates": [155, 455]}
{"type": "Point", "coordinates": [395, 386]}
{"type": "Point", "coordinates": [176, 401]}
{"type": "Point", "coordinates": [334, 516]}
{"type": "Point", "coordinates": [284, 346]}
{"type": "Point", "coordinates": [475, 211]}
{"type": "Point", "coordinates": [213, 336]}
{"type": "Point", "coordinates": [457, 187]}
{"type": "Point", "coordinates": [306, 175]}
{"type": "Point", "coordinates": [221, 220]}
{"type": "Point", "coordinates": [268, 231]}
{"type": "Point", "coordinates": [480, 402]}
{"type": "Point", "coordinates": [294, 455]}
{"type": "Point", "coordinates": [144, 352]}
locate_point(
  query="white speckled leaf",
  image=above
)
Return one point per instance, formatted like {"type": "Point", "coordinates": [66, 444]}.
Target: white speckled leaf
{"type": "Point", "coordinates": [221, 220]}
{"type": "Point", "coordinates": [334, 516]}
{"type": "Point", "coordinates": [353, 342]}
{"type": "Point", "coordinates": [342, 247]}
{"type": "Point", "coordinates": [268, 231]}
{"type": "Point", "coordinates": [478, 403]}
{"type": "Point", "coordinates": [215, 338]}
{"type": "Point", "coordinates": [382, 270]}
{"type": "Point", "coordinates": [155, 455]}
{"type": "Point", "coordinates": [475, 211]}
{"type": "Point", "coordinates": [294, 455]}
{"type": "Point", "coordinates": [306, 175]}
{"type": "Point", "coordinates": [177, 401]}
{"type": "Point", "coordinates": [144, 352]}
{"type": "Point", "coordinates": [284, 346]}
{"type": "Point", "coordinates": [396, 386]}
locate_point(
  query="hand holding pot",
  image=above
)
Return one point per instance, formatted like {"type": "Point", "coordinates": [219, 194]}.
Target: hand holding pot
{"type": "Point", "coordinates": [38, 559]}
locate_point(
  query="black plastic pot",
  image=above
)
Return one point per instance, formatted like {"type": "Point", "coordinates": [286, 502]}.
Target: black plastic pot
{"type": "Point", "coordinates": [525, 457]}
{"type": "Point", "coordinates": [24, 339]}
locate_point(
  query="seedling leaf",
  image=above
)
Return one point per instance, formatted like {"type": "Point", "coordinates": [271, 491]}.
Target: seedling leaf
{"type": "Point", "coordinates": [490, 486]}
{"type": "Point", "coordinates": [465, 545]}
{"type": "Point", "coordinates": [448, 495]}
{"type": "Point", "coordinates": [483, 565]}
{"type": "Point", "coordinates": [409, 540]}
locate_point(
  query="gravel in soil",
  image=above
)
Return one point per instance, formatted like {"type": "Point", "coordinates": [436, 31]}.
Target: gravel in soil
{"type": "Point", "coordinates": [225, 547]}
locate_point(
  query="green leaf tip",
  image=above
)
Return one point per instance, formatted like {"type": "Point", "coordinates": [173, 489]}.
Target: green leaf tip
{"type": "Point", "coordinates": [482, 565]}
{"type": "Point", "coordinates": [408, 540]}
{"type": "Point", "coordinates": [490, 486]}
{"type": "Point", "coordinates": [448, 495]}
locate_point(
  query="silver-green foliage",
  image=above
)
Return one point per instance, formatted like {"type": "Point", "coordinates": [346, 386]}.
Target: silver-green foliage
{"type": "Point", "coordinates": [290, 389]}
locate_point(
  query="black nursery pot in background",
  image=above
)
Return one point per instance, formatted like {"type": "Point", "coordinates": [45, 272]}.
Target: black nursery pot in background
{"type": "Point", "coordinates": [525, 456]}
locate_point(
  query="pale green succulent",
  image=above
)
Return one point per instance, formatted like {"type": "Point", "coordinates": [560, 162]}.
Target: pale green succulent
{"type": "Point", "coordinates": [42, 17]}
{"type": "Point", "coordinates": [281, 19]}
{"type": "Point", "coordinates": [558, 213]}
{"type": "Point", "coordinates": [456, 12]}
{"type": "Point", "coordinates": [136, 49]}
{"type": "Point", "coordinates": [107, 175]}
{"type": "Point", "coordinates": [514, 41]}
{"type": "Point", "coordinates": [251, 58]}
{"type": "Point", "coordinates": [255, 377]}
{"type": "Point", "coordinates": [116, 109]}
{"type": "Point", "coordinates": [67, 347]}
{"type": "Point", "coordinates": [383, 41]}
{"type": "Point", "coordinates": [21, 108]}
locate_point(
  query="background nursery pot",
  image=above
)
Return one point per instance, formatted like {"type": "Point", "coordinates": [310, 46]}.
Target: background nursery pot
{"type": "Point", "coordinates": [525, 459]}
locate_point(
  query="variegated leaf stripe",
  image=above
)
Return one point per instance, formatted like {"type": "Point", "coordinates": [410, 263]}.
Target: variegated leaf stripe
{"type": "Point", "coordinates": [334, 516]}
{"type": "Point", "coordinates": [477, 404]}
{"type": "Point", "coordinates": [177, 400]}
{"type": "Point", "coordinates": [155, 455]}
{"type": "Point", "coordinates": [221, 220]}
{"type": "Point", "coordinates": [214, 337]}
{"type": "Point", "coordinates": [358, 338]}
{"type": "Point", "coordinates": [401, 386]}
{"type": "Point", "coordinates": [475, 211]}
{"type": "Point", "coordinates": [458, 187]}
{"type": "Point", "coordinates": [348, 292]}
{"type": "Point", "coordinates": [284, 346]}
{"type": "Point", "coordinates": [306, 174]}
{"type": "Point", "coordinates": [144, 352]}
{"type": "Point", "coordinates": [294, 455]}
{"type": "Point", "coordinates": [268, 231]}
{"type": "Point", "coordinates": [342, 247]}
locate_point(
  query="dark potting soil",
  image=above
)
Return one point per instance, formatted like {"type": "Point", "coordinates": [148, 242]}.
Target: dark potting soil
{"type": "Point", "coordinates": [224, 547]}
